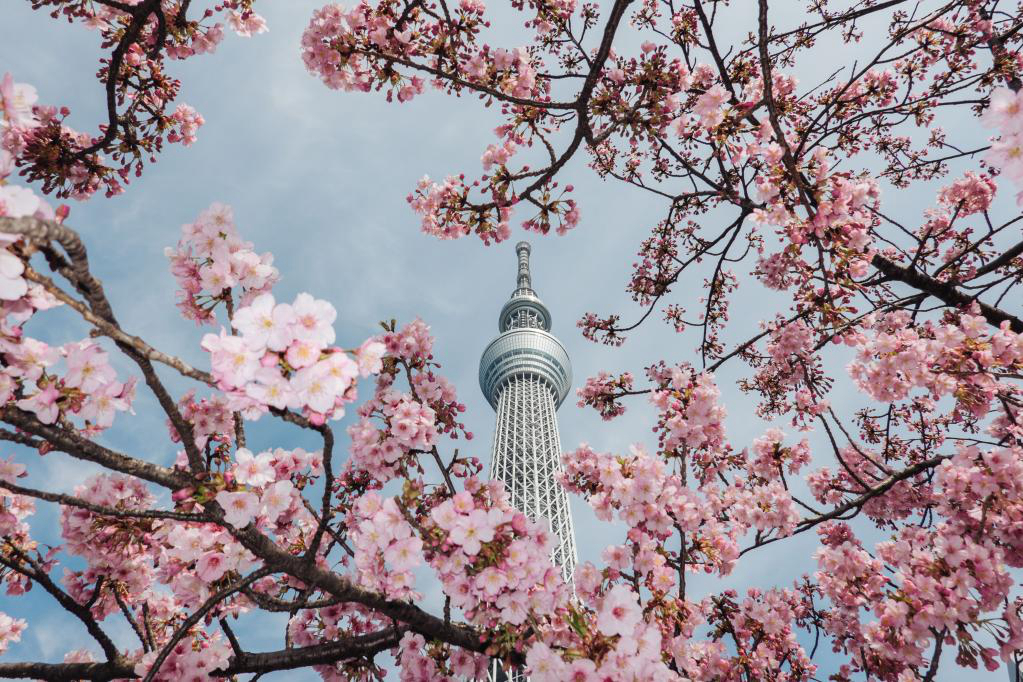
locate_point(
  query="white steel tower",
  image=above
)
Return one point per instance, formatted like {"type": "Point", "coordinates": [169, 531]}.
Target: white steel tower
{"type": "Point", "coordinates": [525, 375]}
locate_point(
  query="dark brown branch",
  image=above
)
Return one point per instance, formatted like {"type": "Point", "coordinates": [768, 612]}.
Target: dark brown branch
{"type": "Point", "coordinates": [140, 15]}
{"type": "Point", "coordinates": [1003, 259]}
{"type": "Point", "coordinates": [21, 563]}
{"type": "Point", "coordinates": [72, 501]}
{"type": "Point", "coordinates": [211, 603]}
{"type": "Point", "coordinates": [62, 672]}
{"type": "Point", "coordinates": [358, 646]}
{"type": "Point", "coordinates": [328, 491]}
{"type": "Point", "coordinates": [343, 589]}
{"type": "Point", "coordinates": [944, 292]}
{"type": "Point", "coordinates": [81, 448]}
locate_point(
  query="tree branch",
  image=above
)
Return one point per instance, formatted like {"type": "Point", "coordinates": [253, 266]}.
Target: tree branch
{"type": "Point", "coordinates": [944, 292]}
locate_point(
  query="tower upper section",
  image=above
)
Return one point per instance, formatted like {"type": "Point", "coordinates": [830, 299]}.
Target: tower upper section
{"type": "Point", "coordinates": [524, 310]}
{"type": "Point", "coordinates": [525, 346]}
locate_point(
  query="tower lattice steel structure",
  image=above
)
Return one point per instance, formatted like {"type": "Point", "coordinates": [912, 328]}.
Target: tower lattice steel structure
{"type": "Point", "coordinates": [525, 374]}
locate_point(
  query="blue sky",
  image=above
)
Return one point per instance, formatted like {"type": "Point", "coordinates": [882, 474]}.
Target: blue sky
{"type": "Point", "coordinates": [320, 178]}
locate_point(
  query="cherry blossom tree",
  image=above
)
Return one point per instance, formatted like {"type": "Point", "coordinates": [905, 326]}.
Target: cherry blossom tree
{"type": "Point", "coordinates": [914, 489]}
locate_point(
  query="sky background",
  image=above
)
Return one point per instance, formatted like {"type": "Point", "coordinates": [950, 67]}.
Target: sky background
{"type": "Point", "coordinates": [319, 178]}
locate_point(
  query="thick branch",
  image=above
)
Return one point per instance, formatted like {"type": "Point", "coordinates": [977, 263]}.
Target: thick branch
{"type": "Point", "coordinates": [117, 334]}
{"type": "Point", "coordinates": [359, 646]}
{"type": "Point", "coordinates": [944, 292]}
{"type": "Point", "coordinates": [331, 652]}
{"type": "Point", "coordinates": [82, 448]}
{"type": "Point", "coordinates": [72, 501]}
{"type": "Point", "coordinates": [16, 560]}
{"type": "Point", "coordinates": [62, 672]}
{"type": "Point", "coordinates": [342, 588]}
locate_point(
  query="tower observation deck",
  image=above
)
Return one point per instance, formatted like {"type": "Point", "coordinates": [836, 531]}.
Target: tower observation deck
{"type": "Point", "coordinates": [525, 374]}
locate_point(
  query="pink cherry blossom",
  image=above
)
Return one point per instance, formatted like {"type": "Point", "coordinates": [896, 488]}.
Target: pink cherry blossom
{"type": "Point", "coordinates": [43, 403]}
{"type": "Point", "coordinates": [369, 357]}
{"type": "Point", "coordinates": [102, 404]}
{"type": "Point", "coordinates": [253, 470]}
{"type": "Point", "coordinates": [239, 507]}
{"type": "Point", "coordinates": [12, 285]}
{"type": "Point", "coordinates": [1005, 112]}
{"type": "Point", "coordinates": [88, 367]}
{"type": "Point", "coordinates": [313, 320]}
{"type": "Point", "coordinates": [276, 499]}
{"type": "Point", "coordinates": [619, 612]}
{"type": "Point", "coordinates": [211, 566]}
{"type": "Point", "coordinates": [265, 324]}
{"type": "Point", "coordinates": [16, 100]}
{"type": "Point", "coordinates": [10, 630]}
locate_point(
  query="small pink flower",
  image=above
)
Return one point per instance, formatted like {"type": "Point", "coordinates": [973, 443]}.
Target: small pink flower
{"type": "Point", "coordinates": [314, 320]}
{"type": "Point", "coordinates": [369, 357]}
{"type": "Point", "coordinates": [211, 566]}
{"type": "Point", "coordinates": [619, 612]}
{"type": "Point", "coordinates": [43, 403]}
{"type": "Point", "coordinates": [405, 554]}
{"type": "Point", "coordinates": [239, 508]}
{"type": "Point", "coordinates": [252, 470]}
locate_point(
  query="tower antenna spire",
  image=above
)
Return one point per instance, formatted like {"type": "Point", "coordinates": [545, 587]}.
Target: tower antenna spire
{"type": "Point", "coordinates": [525, 279]}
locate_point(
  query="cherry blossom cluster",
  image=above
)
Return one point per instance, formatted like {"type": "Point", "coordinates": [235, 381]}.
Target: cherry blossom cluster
{"type": "Point", "coordinates": [654, 503]}
{"type": "Point", "coordinates": [17, 114]}
{"type": "Point", "coordinates": [771, 457]}
{"type": "Point", "coordinates": [947, 233]}
{"type": "Point", "coordinates": [13, 508]}
{"type": "Point", "coordinates": [111, 546]}
{"type": "Point", "coordinates": [140, 111]}
{"type": "Point", "coordinates": [945, 580]}
{"type": "Point", "coordinates": [395, 426]}
{"type": "Point", "coordinates": [26, 128]}
{"type": "Point", "coordinates": [446, 212]}
{"type": "Point", "coordinates": [129, 556]}
{"type": "Point", "coordinates": [791, 380]}
{"type": "Point", "coordinates": [956, 358]}
{"type": "Point", "coordinates": [88, 387]}
{"type": "Point", "coordinates": [603, 393]}
{"type": "Point", "coordinates": [186, 122]}
{"type": "Point", "coordinates": [360, 49]}
{"type": "Point", "coordinates": [493, 562]}
{"type": "Point", "coordinates": [615, 636]}
{"type": "Point", "coordinates": [440, 663]}
{"type": "Point", "coordinates": [10, 631]}
{"type": "Point", "coordinates": [386, 548]}
{"type": "Point", "coordinates": [692, 417]}
{"type": "Point", "coordinates": [210, 418]}
{"type": "Point", "coordinates": [1005, 114]}
{"type": "Point", "coordinates": [283, 357]}
{"type": "Point", "coordinates": [313, 626]}
{"type": "Point", "coordinates": [755, 637]}
{"type": "Point", "coordinates": [408, 425]}
{"type": "Point", "coordinates": [260, 488]}
{"type": "Point", "coordinates": [192, 659]}
{"type": "Point", "coordinates": [334, 47]}
{"type": "Point", "coordinates": [210, 259]}
{"type": "Point", "coordinates": [619, 644]}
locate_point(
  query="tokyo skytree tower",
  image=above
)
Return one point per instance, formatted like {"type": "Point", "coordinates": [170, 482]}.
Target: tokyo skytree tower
{"type": "Point", "coordinates": [525, 375]}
